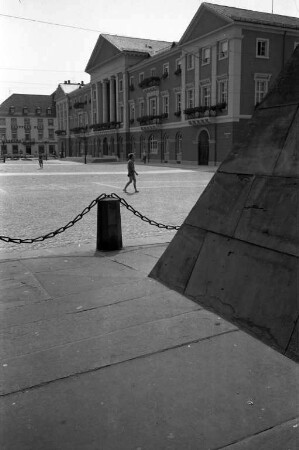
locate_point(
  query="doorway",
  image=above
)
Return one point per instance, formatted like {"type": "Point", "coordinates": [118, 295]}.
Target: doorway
{"type": "Point", "coordinates": [203, 148]}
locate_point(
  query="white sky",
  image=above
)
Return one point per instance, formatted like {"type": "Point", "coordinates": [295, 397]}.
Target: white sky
{"type": "Point", "coordinates": [35, 57]}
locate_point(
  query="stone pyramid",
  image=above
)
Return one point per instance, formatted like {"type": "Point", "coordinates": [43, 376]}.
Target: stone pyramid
{"type": "Point", "coordinates": [237, 251]}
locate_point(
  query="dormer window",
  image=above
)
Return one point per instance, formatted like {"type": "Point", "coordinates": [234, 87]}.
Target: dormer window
{"type": "Point", "coordinates": [11, 110]}
{"type": "Point", "coordinates": [38, 110]}
{"type": "Point", "coordinates": [25, 110]}
{"type": "Point", "coordinates": [49, 111]}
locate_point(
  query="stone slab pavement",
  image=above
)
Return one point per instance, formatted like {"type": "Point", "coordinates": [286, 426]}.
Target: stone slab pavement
{"type": "Point", "coordinates": [95, 355]}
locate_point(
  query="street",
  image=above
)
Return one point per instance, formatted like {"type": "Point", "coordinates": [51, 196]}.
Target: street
{"type": "Point", "coordinates": [35, 202]}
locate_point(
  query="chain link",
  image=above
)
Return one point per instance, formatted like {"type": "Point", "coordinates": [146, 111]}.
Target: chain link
{"type": "Point", "coordinates": [82, 214]}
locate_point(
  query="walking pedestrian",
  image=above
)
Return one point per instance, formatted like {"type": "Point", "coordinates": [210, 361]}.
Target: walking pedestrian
{"type": "Point", "coordinates": [131, 172]}
{"type": "Point", "coordinates": [144, 158]}
{"type": "Point", "coordinates": [40, 160]}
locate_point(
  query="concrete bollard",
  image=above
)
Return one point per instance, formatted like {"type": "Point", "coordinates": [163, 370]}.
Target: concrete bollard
{"type": "Point", "coordinates": [109, 236]}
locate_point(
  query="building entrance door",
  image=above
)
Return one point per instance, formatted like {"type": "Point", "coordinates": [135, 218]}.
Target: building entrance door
{"type": "Point", "coordinates": [203, 148]}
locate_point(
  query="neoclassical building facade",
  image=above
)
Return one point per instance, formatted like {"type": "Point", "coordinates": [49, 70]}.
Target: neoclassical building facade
{"type": "Point", "coordinates": [186, 101]}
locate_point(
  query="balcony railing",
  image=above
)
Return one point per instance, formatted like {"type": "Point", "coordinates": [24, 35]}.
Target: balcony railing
{"type": "Point", "coordinates": [78, 130]}
{"type": "Point", "coordinates": [149, 82]}
{"type": "Point", "coordinates": [105, 126]}
{"type": "Point", "coordinates": [80, 105]}
{"type": "Point", "coordinates": [151, 120]}
{"type": "Point", "coordinates": [60, 132]}
{"type": "Point", "coordinates": [204, 111]}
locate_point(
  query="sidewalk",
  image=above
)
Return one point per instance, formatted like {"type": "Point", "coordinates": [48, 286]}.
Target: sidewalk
{"type": "Point", "coordinates": [97, 356]}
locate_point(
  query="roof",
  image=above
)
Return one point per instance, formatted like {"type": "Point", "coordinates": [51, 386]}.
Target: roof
{"type": "Point", "coordinates": [68, 88]}
{"type": "Point", "coordinates": [131, 44]}
{"type": "Point", "coordinates": [246, 15]}
{"type": "Point", "coordinates": [31, 101]}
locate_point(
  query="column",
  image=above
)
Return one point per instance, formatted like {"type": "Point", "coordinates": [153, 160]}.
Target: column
{"type": "Point", "coordinates": [105, 100]}
{"type": "Point", "coordinates": [99, 103]}
{"type": "Point", "coordinates": [112, 99]}
{"type": "Point", "coordinates": [214, 74]}
{"type": "Point", "coordinates": [183, 85]}
{"type": "Point", "coordinates": [234, 77]}
{"type": "Point", "coordinates": [116, 99]}
{"type": "Point", "coordinates": [197, 62]}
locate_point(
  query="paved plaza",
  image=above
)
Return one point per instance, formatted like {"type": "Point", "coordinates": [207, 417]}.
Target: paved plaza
{"type": "Point", "coordinates": [34, 202]}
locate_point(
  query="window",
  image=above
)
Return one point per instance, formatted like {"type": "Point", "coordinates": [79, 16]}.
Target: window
{"type": "Point", "coordinates": [132, 112]}
{"type": "Point", "coordinates": [2, 122]}
{"type": "Point", "coordinates": [153, 72]}
{"type": "Point", "coordinates": [262, 48]}
{"type": "Point", "coordinates": [190, 61]}
{"type": "Point", "coordinates": [178, 99]}
{"type": "Point", "coordinates": [15, 149]}
{"type": "Point", "coordinates": [27, 125]}
{"type": "Point", "coordinates": [121, 113]}
{"type": "Point", "coordinates": [190, 98]}
{"type": "Point", "coordinates": [141, 77]}
{"type": "Point", "coordinates": [131, 83]}
{"type": "Point", "coordinates": [223, 49]}
{"type": "Point", "coordinates": [25, 110]}
{"type": "Point", "coordinates": [38, 110]}
{"type": "Point", "coordinates": [40, 136]}
{"type": "Point", "coordinates": [13, 123]}
{"type": "Point", "coordinates": [51, 133]}
{"type": "Point", "coordinates": [11, 110]}
{"type": "Point", "coordinates": [153, 145]}
{"type": "Point", "coordinates": [178, 64]}
{"type": "Point", "coordinates": [49, 111]}
{"type": "Point", "coordinates": [222, 91]}
{"type": "Point", "coordinates": [261, 88]}
{"type": "Point", "coordinates": [166, 104]}
{"type": "Point", "coordinates": [14, 135]}
{"type": "Point", "coordinates": [120, 85]}
{"type": "Point", "coordinates": [2, 133]}
{"type": "Point", "coordinates": [206, 95]}
{"type": "Point", "coordinates": [206, 56]}
{"type": "Point", "coordinates": [165, 70]}
{"type": "Point", "coordinates": [141, 108]}
{"type": "Point", "coordinates": [51, 122]}
{"type": "Point", "coordinates": [153, 106]}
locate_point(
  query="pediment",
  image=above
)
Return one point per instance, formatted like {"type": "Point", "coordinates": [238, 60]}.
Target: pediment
{"type": "Point", "coordinates": [205, 21]}
{"type": "Point", "coordinates": [102, 52]}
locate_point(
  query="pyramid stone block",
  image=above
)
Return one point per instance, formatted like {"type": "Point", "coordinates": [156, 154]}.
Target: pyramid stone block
{"type": "Point", "coordinates": [237, 252]}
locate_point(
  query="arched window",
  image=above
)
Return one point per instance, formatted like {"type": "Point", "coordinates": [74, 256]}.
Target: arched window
{"type": "Point", "coordinates": [165, 147]}
{"type": "Point", "coordinates": [105, 146]}
{"type": "Point", "coordinates": [178, 144]}
{"type": "Point", "coordinates": [153, 145]}
{"type": "Point", "coordinates": [111, 146]}
{"type": "Point", "coordinates": [142, 147]}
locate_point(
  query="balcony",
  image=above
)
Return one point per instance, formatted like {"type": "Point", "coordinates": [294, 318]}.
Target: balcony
{"type": "Point", "coordinates": [149, 82]}
{"type": "Point", "coordinates": [80, 105]}
{"type": "Point", "coordinates": [60, 132]}
{"type": "Point", "coordinates": [105, 126]}
{"type": "Point", "coordinates": [151, 122]}
{"type": "Point", "coordinates": [203, 114]}
{"type": "Point", "coordinates": [79, 130]}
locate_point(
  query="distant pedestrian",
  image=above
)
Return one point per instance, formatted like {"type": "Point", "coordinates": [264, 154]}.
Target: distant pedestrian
{"type": "Point", "coordinates": [131, 172]}
{"type": "Point", "coordinates": [40, 160]}
{"type": "Point", "coordinates": [144, 158]}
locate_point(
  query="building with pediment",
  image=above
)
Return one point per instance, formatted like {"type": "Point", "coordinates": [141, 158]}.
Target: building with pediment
{"type": "Point", "coordinates": [186, 101]}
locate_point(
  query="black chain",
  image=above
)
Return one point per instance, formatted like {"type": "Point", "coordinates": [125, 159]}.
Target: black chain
{"type": "Point", "coordinates": [82, 214]}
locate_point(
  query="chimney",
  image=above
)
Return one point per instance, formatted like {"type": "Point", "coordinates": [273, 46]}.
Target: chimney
{"type": "Point", "coordinates": [82, 82]}
{"type": "Point", "coordinates": [68, 81]}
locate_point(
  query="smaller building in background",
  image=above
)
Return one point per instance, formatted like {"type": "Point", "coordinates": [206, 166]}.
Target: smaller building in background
{"type": "Point", "coordinates": [27, 126]}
